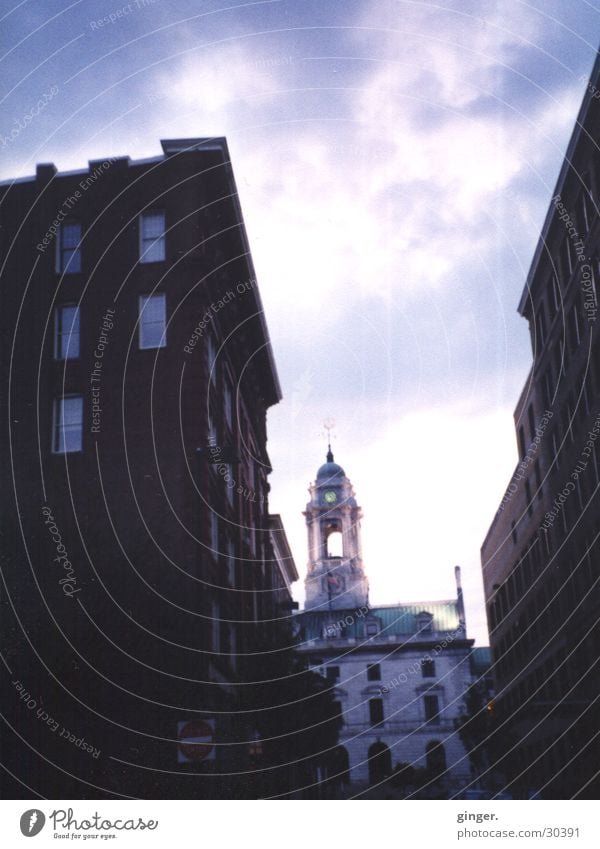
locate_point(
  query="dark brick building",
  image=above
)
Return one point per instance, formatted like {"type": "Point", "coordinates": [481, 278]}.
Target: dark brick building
{"type": "Point", "coordinates": [541, 556]}
{"type": "Point", "coordinates": [139, 562]}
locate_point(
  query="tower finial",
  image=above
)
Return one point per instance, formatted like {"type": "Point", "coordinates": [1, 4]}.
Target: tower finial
{"type": "Point", "coordinates": [329, 425]}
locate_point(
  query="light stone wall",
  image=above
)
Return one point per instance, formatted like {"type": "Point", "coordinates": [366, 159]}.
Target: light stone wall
{"type": "Point", "coordinates": [402, 687]}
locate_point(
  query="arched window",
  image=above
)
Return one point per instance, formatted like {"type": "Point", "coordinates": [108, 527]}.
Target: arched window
{"type": "Point", "coordinates": [436, 759]}
{"type": "Point", "coordinates": [335, 546]}
{"type": "Point", "coordinates": [380, 762]}
{"type": "Point", "coordinates": [339, 766]}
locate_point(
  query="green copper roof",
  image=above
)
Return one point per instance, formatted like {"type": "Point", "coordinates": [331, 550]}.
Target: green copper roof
{"type": "Point", "coordinates": [394, 620]}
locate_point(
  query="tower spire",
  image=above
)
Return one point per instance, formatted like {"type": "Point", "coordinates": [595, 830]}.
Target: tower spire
{"type": "Point", "coordinates": [336, 578]}
{"type": "Point", "coordinates": [329, 425]}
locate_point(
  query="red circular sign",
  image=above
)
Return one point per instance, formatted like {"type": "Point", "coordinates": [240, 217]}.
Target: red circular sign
{"type": "Point", "coordinates": [196, 740]}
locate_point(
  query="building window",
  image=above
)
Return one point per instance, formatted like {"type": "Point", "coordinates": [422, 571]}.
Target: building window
{"type": "Point", "coordinates": [231, 563]}
{"type": "Point", "coordinates": [153, 327]}
{"type": "Point", "coordinates": [584, 221]}
{"type": "Point", "coordinates": [528, 497]}
{"type": "Point", "coordinates": [66, 333]}
{"type": "Point", "coordinates": [68, 260]}
{"type": "Point", "coordinates": [513, 531]}
{"type": "Point", "coordinates": [332, 673]}
{"type": "Point", "coordinates": [376, 711]}
{"type": "Point", "coordinates": [228, 403]}
{"type": "Point", "coordinates": [230, 483]}
{"type": "Point", "coordinates": [538, 479]}
{"type": "Point", "coordinates": [432, 708]}
{"type": "Point", "coordinates": [372, 627]}
{"type": "Point", "coordinates": [522, 447]}
{"type": "Point", "coordinates": [424, 622]}
{"type": "Point", "coordinates": [213, 433]}
{"type": "Point", "coordinates": [531, 420]}
{"type": "Point", "coordinates": [547, 388]}
{"type": "Point", "coordinates": [565, 262]}
{"type": "Point", "coordinates": [216, 627]}
{"type": "Point", "coordinates": [214, 534]}
{"type": "Point", "coordinates": [373, 672]}
{"type": "Point", "coordinates": [556, 294]}
{"type": "Point", "coordinates": [428, 668]}
{"type": "Point", "coordinates": [68, 424]}
{"type": "Point", "coordinates": [212, 359]}
{"type": "Point", "coordinates": [435, 757]}
{"type": "Point", "coordinates": [152, 236]}
{"type": "Point", "coordinates": [540, 330]}
{"type": "Point", "coordinates": [574, 335]}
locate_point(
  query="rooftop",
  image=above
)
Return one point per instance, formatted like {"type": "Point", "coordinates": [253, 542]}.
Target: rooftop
{"type": "Point", "coordinates": [395, 620]}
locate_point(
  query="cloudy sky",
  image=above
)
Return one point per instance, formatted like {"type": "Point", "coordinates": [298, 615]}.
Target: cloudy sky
{"type": "Point", "coordinates": [395, 160]}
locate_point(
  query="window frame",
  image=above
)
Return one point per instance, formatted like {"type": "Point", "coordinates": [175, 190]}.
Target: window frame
{"type": "Point", "coordinates": [68, 267]}
{"type": "Point", "coordinates": [428, 699]}
{"type": "Point", "coordinates": [56, 426]}
{"type": "Point", "coordinates": [215, 613]}
{"type": "Point", "coordinates": [373, 672]}
{"type": "Point", "coordinates": [147, 243]}
{"type": "Point", "coordinates": [371, 624]}
{"type": "Point", "coordinates": [211, 358]}
{"type": "Point", "coordinates": [142, 301]}
{"type": "Point", "coordinates": [60, 334]}
{"type": "Point", "coordinates": [214, 535]}
{"type": "Point", "coordinates": [228, 404]}
{"type": "Point", "coordinates": [375, 722]}
{"type": "Point", "coordinates": [428, 668]}
{"type": "Point", "coordinates": [231, 562]}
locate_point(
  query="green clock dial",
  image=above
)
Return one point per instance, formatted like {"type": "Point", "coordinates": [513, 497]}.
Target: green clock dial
{"type": "Point", "coordinates": [330, 496]}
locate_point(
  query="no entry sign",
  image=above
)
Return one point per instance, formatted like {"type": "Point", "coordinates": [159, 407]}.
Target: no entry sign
{"type": "Point", "coordinates": [196, 740]}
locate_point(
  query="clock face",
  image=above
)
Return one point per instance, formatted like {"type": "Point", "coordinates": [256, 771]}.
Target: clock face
{"type": "Point", "coordinates": [330, 496]}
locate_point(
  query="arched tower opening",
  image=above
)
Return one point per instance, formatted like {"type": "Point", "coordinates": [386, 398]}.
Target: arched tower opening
{"type": "Point", "coordinates": [335, 578]}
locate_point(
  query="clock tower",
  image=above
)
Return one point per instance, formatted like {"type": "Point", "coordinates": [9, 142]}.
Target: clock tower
{"type": "Point", "coordinates": [335, 578]}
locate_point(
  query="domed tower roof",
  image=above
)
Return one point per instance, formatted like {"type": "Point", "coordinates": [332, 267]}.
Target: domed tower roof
{"type": "Point", "coordinates": [330, 470]}
{"type": "Point", "coordinates": [335, 578]}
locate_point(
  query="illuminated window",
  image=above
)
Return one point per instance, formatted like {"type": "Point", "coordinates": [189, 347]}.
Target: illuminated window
{"type": "Point", "coordinates": [152, 236]}
{"type": "Point", "coordinates": [68, 260]}
{"type": "Point", "coordinates": [66, 333]}
{"type": "Point", "coordinates": [68, 424]}
{"type": "Point", "coordinates": [152, 323]}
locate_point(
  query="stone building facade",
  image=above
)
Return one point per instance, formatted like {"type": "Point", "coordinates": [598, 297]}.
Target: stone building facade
{"type": "Point", "coordinates": [138, 369]}
{"type": "Point", "coordinates": [399, 671]}
{"type": "Point", "coordinates": [541, 555]}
